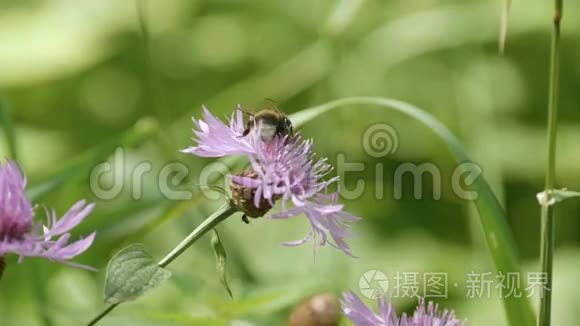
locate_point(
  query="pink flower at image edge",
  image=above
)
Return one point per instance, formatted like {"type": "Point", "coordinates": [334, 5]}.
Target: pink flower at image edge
{"type": "Point", "coordinates": [20, 235]}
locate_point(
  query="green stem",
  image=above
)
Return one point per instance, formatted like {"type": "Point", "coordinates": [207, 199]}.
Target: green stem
{"type": "Point", "coordinates": [9, 131]}
{"type": "Point", "coordinates": [225, 211]}
{"type": "Point", "coordinates": [103, 314]}
{"type": "Point", "coordinates": [547, 218]}
{"type": "Point", "coordinates": [547, 257]}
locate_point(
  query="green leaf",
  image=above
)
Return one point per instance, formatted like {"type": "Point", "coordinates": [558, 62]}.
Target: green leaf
{"type": "Point", "coordinates": [131, 273]}
{"type": "Point", "coordinates": [9, 133]}
{"type": "Point", "coordinates": [220, 264]}
{"type": "Point", "coordinates": [563, 194]}
{"type": "Point", "coordinates": [342, 16]}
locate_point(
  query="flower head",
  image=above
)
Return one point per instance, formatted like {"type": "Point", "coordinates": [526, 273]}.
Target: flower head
{"type": "Point", "coordinates": [424, 315]}
{"type": "Point", "coordinates": [20, 235]}
{"type": "Point", "coordinates": [282, 168]}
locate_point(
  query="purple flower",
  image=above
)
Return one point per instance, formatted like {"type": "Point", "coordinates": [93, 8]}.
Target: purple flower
{"type": "Point", "coordinates": [425, 315]}
{"type": "Point", "coordinates": [282, 168]}
{"type": "Point", "coordinates": [21, 236]}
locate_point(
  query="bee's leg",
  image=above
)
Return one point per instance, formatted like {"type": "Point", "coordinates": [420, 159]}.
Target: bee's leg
{"type": "Point", "coordinates": [249, 126]}
{"type": "Point", "coordinates": [245, 219]}
{"type": "Point", "coordinates": [245, 133]}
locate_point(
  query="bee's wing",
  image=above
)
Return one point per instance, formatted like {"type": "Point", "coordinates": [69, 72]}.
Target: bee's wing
{"type": "Point", "coordinates": [273, 105]}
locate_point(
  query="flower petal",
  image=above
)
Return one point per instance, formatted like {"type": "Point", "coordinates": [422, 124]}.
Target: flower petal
{"type": "Point", "coordinates": [75, 215]}
{"type": "Point", "coordinates": [216, 139]}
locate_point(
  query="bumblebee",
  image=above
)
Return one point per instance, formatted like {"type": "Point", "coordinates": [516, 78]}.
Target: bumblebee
{"type": "Point", "coordinates": [272, 122]}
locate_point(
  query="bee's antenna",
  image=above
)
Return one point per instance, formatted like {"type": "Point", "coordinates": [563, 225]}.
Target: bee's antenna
{"type": "Point", "coordinates": [246, 112]}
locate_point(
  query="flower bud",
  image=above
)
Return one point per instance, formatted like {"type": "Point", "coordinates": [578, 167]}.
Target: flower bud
{"type": "Point", "coordinates": [319, 310]}
{"type": "Point", "coordinates": [243, 197]}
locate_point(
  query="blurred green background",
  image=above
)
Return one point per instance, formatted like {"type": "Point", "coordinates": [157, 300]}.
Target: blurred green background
{"type": "Point", "coordinates": [80, 77]}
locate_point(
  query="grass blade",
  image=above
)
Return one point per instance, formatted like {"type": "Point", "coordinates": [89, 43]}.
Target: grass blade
{"type": "Point", "coordinates": [504, 22]}
{"type": "Point", "coordinates": [9, 132]}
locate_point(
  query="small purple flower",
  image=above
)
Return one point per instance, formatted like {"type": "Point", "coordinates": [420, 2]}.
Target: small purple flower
{"type": "Point", "coordinates": [425, 315]}
{"type": "Point", "coordinates": [281, 168]}
{"type": "Point", "coordinates": [21, 236]}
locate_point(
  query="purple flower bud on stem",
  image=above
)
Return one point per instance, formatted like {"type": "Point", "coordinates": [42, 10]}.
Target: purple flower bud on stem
{"type": "Point", "coordinates": [243, 196]}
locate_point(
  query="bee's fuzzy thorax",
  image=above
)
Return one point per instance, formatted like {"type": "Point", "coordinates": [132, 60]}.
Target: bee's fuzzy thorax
{"type": "Point", "coordinates": [271, 122]}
